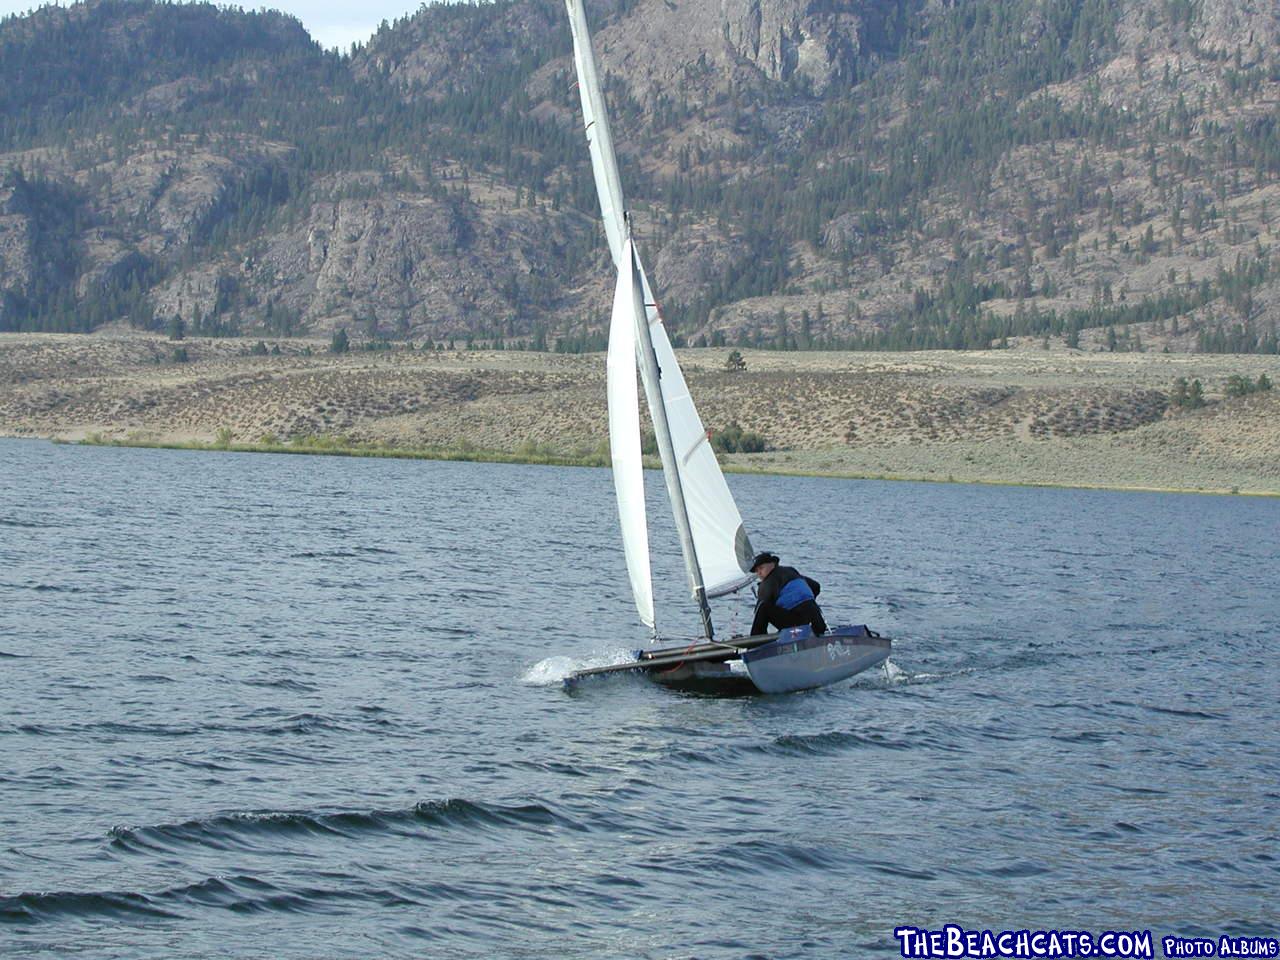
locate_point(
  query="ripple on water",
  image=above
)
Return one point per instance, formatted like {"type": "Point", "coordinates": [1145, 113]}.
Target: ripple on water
{"type": "Point", "coordinates": [295, 651]}
{"type": "Point", "coordinates": [258, 828]}
{"type": "Point", "coordinates": [237, 893]}
{"type": "Point", "coordinates": [37, 907]}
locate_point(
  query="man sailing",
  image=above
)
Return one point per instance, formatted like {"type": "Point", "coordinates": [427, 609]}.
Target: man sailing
{"type": "Point", "coordinates": [785, 598]}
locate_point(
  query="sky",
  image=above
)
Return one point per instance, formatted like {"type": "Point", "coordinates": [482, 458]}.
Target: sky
{"type": "Point", "coordinates": [330, 22]}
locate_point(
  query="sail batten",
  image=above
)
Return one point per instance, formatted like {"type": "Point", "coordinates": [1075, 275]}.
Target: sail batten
{"type": "Point", "coordinates": [694, 449]}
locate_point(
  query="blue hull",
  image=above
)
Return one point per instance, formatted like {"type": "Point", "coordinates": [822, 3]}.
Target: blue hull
{"type": "Point", "coordinates": [800, 660]}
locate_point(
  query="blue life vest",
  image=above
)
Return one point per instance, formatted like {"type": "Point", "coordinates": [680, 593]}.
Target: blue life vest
{"type": "Point", "coordinates": [794, 593]}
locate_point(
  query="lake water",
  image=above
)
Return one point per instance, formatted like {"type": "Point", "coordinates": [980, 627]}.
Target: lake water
{"type": "Point", "coordinates": [285, 706]}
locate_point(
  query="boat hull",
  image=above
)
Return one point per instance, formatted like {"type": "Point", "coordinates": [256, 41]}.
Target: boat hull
{"type": "Point", "coordinates": [715, 679]}
{"type": "Point", "coordinates": [802, 660]}
{"type": "Point", "coordinates": [794, 659]}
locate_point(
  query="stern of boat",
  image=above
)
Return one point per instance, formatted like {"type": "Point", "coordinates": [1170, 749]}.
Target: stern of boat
{"type": "Point", "coordinates": [800, 659]}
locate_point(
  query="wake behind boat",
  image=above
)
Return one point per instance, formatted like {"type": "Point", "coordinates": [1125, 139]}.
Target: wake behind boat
{"type": "Point", "coordinates": [713, 540]}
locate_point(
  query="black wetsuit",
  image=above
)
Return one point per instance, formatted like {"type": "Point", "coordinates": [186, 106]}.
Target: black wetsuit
{"type": "Point", "coordinates": [786, 599]}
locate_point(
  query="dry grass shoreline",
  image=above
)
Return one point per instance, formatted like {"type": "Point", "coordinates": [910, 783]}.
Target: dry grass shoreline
{"type": "Point", "coordinates": [495, 456]}
{"type": "Point", "coordinates": [1024, 416]}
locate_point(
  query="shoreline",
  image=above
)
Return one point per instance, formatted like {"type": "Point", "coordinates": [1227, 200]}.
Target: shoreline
{"type": "Point", "coordinates": [1018, 417]}
{"type": "Point", "coordinates": [551, 460]}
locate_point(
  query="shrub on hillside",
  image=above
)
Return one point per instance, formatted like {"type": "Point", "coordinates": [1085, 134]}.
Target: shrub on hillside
{"type": "Point", "coordinates": [1187, 397]}
{"type": "Point", "coordinates": [733, 439]}
{"type": "Point", "coordinates": [1238, 386]}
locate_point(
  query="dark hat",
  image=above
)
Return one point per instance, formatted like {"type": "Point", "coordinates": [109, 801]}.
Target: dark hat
{"type": "Point", "coordinates": [762, 558]}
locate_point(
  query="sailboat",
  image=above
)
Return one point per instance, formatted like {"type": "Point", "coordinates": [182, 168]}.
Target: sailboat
{"type": "Point", "coordinates": [713, 540]}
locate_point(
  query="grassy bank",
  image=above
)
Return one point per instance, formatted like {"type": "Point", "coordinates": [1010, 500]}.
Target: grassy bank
{"type": "Point", "coordinates": [536, 455]}
{"type": "Point", "coordinates": [1019, 417]}
{"type": "Point", "coordinates": [324, 446]}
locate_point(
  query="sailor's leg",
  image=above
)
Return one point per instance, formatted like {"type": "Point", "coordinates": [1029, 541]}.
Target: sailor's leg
{"type": "Point", "coordinates": [806, 614]}
{"type": "Point", "coordinates": [797, 616]}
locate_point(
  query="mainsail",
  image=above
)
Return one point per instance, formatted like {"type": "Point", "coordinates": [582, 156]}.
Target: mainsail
{"type": "Point", "coordinates": [724, 549]}
{"type": "Point", "coordinates": [720, 551]}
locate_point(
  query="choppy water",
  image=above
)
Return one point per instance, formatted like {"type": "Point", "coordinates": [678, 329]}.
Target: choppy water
{"type": "Point", "coordinates": [272, 706]}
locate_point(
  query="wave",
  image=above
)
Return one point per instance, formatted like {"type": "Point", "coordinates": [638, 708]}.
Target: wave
{"type": "Point", "coordinates": [751, 856]}
{"type": "Point", "coordinates": [770, 855]}
{"type": "Point", "coordinates": [297, 686]}
{"type": "Point", "coordinates": [1084, 736]}
{"type": "Point", "coordinates": [271, 725]}
{"type": "Point", "coordinates": [895, 870]}
{"type": "Point", "coordinates": [819, 744]}
{"type": "Point", "coordinates": [297, 723]}
{"type": "Point", "coordinates": [1018, 869]}
{"type": "Point", "coordinates": [827, 743]}
{"type": "Point", "coordinates": [1193, 714]}
{"type": "Point", "coordinates": [341, 553]}
{"type": "Point", "coordinates": [894, 674]}
{"type": "Point", "coordinates": [26, 524]}
{"type": "Point", "coordinates": [34, 907]}
{"type": "Point", "coordinates": [246, 830]}
{"type": "Point", "coordinates": [554, 670]}
{"type": "Point", "coordinates": [239, 893]}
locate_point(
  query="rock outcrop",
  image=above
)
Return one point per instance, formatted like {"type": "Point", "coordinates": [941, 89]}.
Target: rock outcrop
{"type": "Point", "coordinates": [1249, 26]}
{"type": "Point", "coordinates": [17, 249]}
{"type": "Point", "coordinates": [824, 168]}
{"type": "Point", "coordinates": [686, 50]}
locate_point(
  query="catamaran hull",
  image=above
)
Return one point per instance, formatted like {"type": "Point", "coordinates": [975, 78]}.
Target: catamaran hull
{"type": "Point", "coordinates": [794, 659]}
{"type": "Point", "coordinates": [800, 660]}
{"type": "Point", "coordinates": [717, 679]}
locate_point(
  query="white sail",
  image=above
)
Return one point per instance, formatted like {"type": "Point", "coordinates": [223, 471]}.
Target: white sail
{"type": "Point", "coordinates": [624, 446]}
{"type": "Point", "coordinates": [723, 547]}
{"type": "Point", "coordinates": [604, 163]}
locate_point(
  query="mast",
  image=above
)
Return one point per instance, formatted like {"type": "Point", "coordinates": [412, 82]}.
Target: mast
{"type": "Point", "coordinates": [662, 432]}
{"type": "Point", "coordinates": [715, 522]}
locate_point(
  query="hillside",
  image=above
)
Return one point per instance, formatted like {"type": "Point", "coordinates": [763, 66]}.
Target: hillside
{"type": "Point", "coordinates": [1020, 415]}
{"type": "Point", "coordinates": [805, 173]}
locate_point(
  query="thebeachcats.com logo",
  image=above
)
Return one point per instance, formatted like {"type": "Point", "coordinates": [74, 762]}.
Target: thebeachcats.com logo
{"type": "Point", "coordinates": [954, 942]}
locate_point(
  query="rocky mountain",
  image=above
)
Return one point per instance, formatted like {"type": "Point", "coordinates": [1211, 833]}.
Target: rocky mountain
{"type": "Point", "coordinates": [872, 173]}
